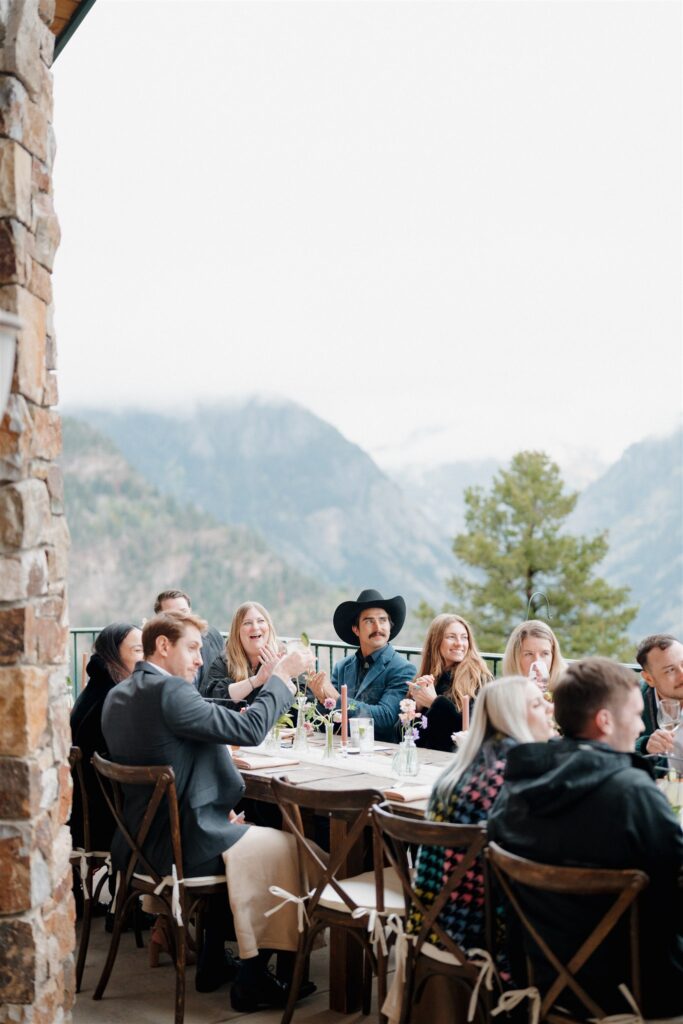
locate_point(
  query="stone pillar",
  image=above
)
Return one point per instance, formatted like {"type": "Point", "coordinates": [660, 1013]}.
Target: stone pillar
{"type": "Point", "coordinates": [36, 906]}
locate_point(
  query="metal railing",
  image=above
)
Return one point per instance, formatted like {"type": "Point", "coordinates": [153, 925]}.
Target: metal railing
{"type": "Point", "coordinates": [327, 652]}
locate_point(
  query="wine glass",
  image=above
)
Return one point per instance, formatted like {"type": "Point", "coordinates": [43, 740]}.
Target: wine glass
{"type": "Point", "coordinates": [669, 714]}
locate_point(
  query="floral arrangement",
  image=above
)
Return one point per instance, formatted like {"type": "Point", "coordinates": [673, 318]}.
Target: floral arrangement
{"type": "Point", "coordinates": [411, 720]}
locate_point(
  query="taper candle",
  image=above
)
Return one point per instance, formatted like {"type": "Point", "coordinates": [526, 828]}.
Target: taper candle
{"type": "Point", "coordinates": [345, 715]}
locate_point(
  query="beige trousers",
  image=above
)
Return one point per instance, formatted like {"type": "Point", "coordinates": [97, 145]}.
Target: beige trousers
{"type": "Point", "coordinates": [262, 858]}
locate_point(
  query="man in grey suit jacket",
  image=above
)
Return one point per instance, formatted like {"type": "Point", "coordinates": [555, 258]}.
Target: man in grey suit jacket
{"type": "Point", "coordinates": [156, 716]}
{"type": "Point", "coordinates": [376, 676]}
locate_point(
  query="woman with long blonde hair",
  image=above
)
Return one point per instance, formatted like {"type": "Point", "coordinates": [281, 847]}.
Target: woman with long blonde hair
{"type": "Point", "coordinates": [508, 711]}
{"type": "Point", "coordinates": [251, 651]}
{"type": "Point", "coordinates": [452, 668]}
{"type": "Point", "coordinates": [533, 650]}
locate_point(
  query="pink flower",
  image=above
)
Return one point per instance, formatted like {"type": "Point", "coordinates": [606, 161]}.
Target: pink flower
{"type": "Point", "coordinates": [329, 703]}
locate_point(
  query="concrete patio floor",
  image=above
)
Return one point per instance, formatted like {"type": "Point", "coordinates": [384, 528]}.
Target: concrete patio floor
{"type": "Point", "coordinates": [138, 994]}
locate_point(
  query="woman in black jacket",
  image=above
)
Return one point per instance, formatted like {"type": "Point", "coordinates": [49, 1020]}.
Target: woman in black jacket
{"type": "Point", "coordinates": [115, 651]}
{"type": "Point", "coordinates": [250, 654]}
{"type": "Point", "coordinates": [451, 669]}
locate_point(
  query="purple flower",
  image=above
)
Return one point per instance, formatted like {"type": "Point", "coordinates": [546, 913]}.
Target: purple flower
{"type": "Point", "coordinates": [416, 734]}
{"type": "Point", "coordinates": [329, 703]}
{"type": "Point", "coordinates": [423, 722]}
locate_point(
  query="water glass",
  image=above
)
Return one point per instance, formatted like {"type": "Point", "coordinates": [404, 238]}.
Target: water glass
{"type": "Point", "coordinates": [669, 714]}
{"type": "Point", "coordinates": [362, 735]}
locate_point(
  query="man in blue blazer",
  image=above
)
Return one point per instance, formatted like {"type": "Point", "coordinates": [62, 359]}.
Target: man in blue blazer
{"type": "Point", "coordinates": [376, 675]}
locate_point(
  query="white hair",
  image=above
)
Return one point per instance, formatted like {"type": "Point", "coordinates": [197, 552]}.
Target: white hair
{"type": "Point", "coordinates": [501, 706]}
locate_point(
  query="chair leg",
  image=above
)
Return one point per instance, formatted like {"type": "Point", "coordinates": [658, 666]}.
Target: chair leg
{"type": "Point", "coordinates": [122, 911]}
{"type": "Point", "coordinates": [408, 989]}
{"type": "Point", "coordinates": [381, 982]}
{"type": "Point", "coordinates": [180, 958]}
{"type": "Point", "coordinates": [302, 954]}
{"type": "Point", "coordinates": [137, 911]}
{"type": "Point", "coordinates": [368, 973]}
{"type": "Point", "coordinates": [86, 922]}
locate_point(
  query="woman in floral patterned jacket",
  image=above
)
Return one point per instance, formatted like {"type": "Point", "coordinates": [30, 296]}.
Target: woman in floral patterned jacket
{"type": "Point", "coordinates": [508, 711]}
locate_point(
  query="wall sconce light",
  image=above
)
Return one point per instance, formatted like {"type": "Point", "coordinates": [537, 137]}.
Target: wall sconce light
{"type": "Point", "coordinates": [10, 325]}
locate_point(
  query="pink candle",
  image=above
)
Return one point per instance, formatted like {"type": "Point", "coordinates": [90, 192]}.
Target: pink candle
{"type": "Point", "coordinates": [465, 713]}
{"type": "Point", "coordinates": [345, 714]}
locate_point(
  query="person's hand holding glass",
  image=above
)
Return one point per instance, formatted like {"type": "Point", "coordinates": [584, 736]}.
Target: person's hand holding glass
{"type": "Point", "coordinates": [668, 719]}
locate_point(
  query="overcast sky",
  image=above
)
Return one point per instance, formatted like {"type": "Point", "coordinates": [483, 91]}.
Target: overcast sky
{"type": "Point", "coordinates": [451, 229]}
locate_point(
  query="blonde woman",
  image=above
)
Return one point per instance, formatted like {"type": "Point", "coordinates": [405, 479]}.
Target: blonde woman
{"type": "Point", "coordinates": [533, 651]}
{"type": "Point", "coordinates": [508, 711]}
{"type": "Point", "coordinates": [251, 651]}
{"type": "Point", "coordinates": [452, 668]}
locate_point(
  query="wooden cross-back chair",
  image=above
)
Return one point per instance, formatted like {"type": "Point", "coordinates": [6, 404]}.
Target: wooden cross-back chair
{"type": "Point", "coordinates": [182, 897]}
{"type": "Point", "coordinates": [516, 874]}
{"type": "Point", "coordinates": [398, 833]}
{"type": "Point", "coordinates": [86, 862]}
{"type": "Point", "coordinates": [336, 901]}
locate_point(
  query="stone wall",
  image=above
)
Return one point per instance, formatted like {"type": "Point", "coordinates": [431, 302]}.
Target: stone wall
{"type": "Point", "coordinates": [36, 907]}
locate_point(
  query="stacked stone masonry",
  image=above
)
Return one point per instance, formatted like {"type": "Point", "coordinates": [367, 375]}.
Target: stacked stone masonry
{"type": "Point", "coordinates": [36, 906]}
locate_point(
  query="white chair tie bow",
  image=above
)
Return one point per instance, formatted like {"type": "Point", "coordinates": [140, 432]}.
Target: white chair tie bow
{"type": "Point", "coordinates": [172, 881]}
{"type": "Point", "coordinates": [623, 1018]}
{"type": "Point", "coordinates": [480, 958]}
{"type": "Point", "coordinates": [395, 927]}
{"type": "Point", "coordinates": [79, 857]}
{"type": "Point", "coordinates": [509, 1000]}
{"type": "Point", "coordinates": [375, 926]}
{"type": "Point", "coordinates": [289, 897]}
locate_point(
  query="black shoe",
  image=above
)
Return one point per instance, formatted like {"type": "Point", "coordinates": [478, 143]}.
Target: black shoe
{"type": "Point", "coordinates": [270, 992]}
{"type": "Point", "coordinates": [211, 976]}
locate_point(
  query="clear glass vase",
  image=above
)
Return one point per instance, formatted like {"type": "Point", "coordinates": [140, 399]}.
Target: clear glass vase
{"type": "Point", "coordinates": [272, 744]}
{"type": "Point", "coordinates": [328, 749]}
{"type": "Point", "coordinates": [405, 760]}
{"type": "Point", "coordinates": [301, 735]}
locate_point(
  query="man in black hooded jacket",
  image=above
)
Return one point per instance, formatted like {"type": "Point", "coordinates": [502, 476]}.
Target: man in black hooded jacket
{"type": "Point", "coordinates": [587, 800]}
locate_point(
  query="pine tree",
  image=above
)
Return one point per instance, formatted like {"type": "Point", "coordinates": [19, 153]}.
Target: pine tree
{"type": "Point", "coordinates": [516, 545]}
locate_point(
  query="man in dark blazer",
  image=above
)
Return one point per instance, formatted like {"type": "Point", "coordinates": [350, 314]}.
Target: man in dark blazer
{"type": "Point", "coordinates": [156, 716]}
{"type": "Point", "coordinates": [376, 676]}
{"type": "Point", "coordinates": [661, 658]}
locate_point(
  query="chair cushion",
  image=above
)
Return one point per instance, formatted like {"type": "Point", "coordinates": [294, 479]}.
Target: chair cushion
{"type": "Point", "coordinates": [434, 953]}
{"type": "Point", "coordinates": [187, 882]}
{"type": "Point", "coordinates": [361, 889]}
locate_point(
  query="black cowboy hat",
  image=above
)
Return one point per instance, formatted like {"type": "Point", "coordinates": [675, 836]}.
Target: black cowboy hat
{"type": "Point", "coordinates": [348, 611]}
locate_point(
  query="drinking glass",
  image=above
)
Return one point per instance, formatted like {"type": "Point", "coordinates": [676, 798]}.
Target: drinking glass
{"type": "Point", "coordinates": [362, 735]}
{"type": "Point", "coordinates": [669, 714]}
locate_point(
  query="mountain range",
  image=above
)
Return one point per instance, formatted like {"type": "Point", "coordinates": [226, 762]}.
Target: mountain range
{"type": "Point", "coordinates": [129, 542]}
{"type": "Point", "coordinates": [639, 500]}
{"type": "Point", "coordinates": [319, 501]}
{"type": "Point", "coordinates": [270, 484]}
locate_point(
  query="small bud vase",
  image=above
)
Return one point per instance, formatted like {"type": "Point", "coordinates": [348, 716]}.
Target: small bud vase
{"type": "Point", "coordinates": [328, 749]}
{"type": "Point", "coordinates": [405, 760]}
{"type": "Point", "coordinates": [272, 744]}
{"type": "Point", "coordinates": [300, 736]}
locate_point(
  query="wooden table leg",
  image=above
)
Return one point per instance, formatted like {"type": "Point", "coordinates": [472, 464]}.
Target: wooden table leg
{"type": "Point", "coordinates": [346, 956]}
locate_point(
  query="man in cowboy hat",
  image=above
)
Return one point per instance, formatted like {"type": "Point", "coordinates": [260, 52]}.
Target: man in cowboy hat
{"type": "Point", "coordinates": [376, 675]}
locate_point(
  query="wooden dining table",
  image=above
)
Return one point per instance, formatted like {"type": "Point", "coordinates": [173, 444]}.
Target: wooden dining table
{"type": "Point", "coordinates": [351, 771]}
